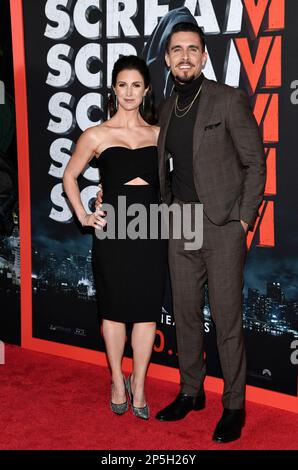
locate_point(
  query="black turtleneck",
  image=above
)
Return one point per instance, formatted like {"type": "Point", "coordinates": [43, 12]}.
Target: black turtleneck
{"type": "Point", "coordinates": [179, 141]}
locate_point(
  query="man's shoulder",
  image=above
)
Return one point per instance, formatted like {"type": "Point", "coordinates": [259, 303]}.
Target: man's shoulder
{"type": "Point", "coordinates": [223, 93]}
{"type": "Point", "coordinates": [220, 88]}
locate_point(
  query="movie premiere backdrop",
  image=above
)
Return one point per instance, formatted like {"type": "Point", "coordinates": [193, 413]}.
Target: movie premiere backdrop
{"type": "Point", "coordinates": [64, 52]}
{"type": "Point", "coordinates": [10, 315]}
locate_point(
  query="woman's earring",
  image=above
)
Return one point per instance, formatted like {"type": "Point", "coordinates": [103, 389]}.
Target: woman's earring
{"type": "Point", "coordinates": [116, 102]}
{"type": "Point", "coordinates": [143, 103]}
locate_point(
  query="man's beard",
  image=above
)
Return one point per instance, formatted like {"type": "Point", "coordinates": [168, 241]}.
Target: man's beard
{"type": "Point", "coordinates": [184, 79]}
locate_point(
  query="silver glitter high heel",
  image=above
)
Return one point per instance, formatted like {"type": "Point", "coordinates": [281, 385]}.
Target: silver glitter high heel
{"type": "Point", "coordinates": [119, 409]}
{"type": "Point", "coordinates": [142, 412]}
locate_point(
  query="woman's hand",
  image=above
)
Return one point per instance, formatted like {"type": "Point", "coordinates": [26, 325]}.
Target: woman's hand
{"type": "Point", "coordinates": [99, 196]}
{"type": "Point", "coordinates": [94, 220]}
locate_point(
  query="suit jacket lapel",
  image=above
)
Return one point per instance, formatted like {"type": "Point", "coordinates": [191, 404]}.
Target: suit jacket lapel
{"type": "Point", "coordinates": [162, 135]}
{"type": "Point", "coordinates": [204, 111]}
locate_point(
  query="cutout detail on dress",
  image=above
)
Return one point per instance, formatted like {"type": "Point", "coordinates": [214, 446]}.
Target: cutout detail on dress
{"type": "Point", "coordinates": [141, 182]}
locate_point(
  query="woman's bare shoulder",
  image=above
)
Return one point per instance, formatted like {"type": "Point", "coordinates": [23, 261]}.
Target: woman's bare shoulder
{"type": "Point", "coordinates": [156, 130]}
{"type": "Point", "coordinates": [96, 132]}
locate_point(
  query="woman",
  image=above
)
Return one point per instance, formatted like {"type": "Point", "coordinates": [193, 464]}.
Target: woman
{"type": "Point", "coordinates": [129, 273]}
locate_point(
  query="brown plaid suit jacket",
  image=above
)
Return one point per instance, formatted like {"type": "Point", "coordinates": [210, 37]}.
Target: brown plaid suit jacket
{"type": "Point", "coordinates": [228, 155]}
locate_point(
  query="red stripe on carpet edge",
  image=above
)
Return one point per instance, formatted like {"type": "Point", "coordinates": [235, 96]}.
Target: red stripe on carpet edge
{"type": "Point", "coordinates": [170, 374]}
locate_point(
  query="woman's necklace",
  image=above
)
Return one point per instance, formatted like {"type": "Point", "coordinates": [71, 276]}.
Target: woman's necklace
{"type": "Point", "coordinates": [188, 107]}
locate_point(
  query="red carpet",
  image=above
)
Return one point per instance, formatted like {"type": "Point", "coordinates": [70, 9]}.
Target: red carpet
{"type": "Point", "coordinates": [53, 403]}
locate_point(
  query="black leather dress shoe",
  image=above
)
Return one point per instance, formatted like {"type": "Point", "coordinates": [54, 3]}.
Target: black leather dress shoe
{"type": "Point", "coordinates": [181, 406]}
{"type": "Point", "coordinates": [229, 427]}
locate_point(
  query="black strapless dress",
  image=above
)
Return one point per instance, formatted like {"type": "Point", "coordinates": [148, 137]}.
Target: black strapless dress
{"type": "Point", "coordinates": [129, 273]}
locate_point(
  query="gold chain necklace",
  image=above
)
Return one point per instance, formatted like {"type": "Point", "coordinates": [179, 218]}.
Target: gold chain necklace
{"type": "Point", "coordinates": [188, 107]}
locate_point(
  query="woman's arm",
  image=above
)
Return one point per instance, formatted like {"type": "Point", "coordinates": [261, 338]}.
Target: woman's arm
{"type": "Point", "coordinates": [84, 152]}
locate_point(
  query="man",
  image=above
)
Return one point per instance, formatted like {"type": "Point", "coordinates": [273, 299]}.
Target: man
{"type": "Point", "coordinates": [218, 161]}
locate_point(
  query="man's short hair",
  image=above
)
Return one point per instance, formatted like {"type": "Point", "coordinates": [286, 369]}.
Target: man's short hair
{"type": "Point", "coordinates": [186, 27]}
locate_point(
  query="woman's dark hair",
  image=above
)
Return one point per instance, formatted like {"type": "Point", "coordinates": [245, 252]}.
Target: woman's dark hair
{"type": "Point", "coordinates": [186, 27]}
{"type": "Point", "coordinates": [132, 62]}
